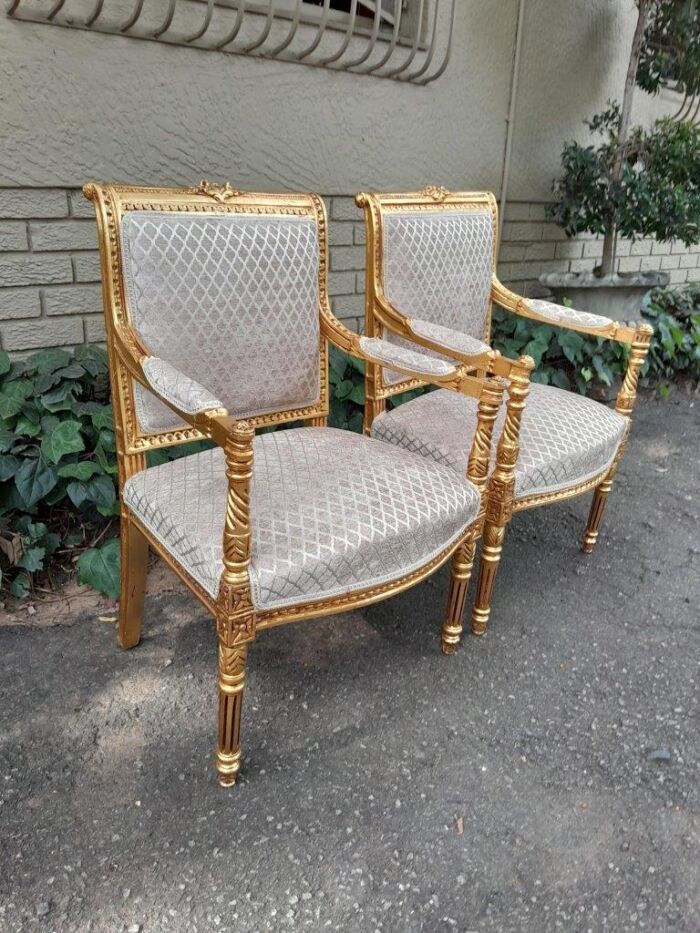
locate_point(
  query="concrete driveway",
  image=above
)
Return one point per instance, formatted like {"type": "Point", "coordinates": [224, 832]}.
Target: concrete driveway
{"type": "Point", "coordinates": [546, 777]}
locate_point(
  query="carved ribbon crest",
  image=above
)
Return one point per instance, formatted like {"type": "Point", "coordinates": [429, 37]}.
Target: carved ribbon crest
{"type": "Point", "coordinates": [436, 192]}
{"type": "Point", "coordinates": [219, 193]}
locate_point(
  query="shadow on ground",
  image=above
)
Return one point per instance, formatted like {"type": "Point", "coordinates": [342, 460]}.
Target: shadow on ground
{"type": "Point", "coordinates": [543, 778]}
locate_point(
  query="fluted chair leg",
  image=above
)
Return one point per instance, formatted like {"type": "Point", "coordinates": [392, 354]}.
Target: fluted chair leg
{"type": "Point", "coordinates": [232, 659]}
{"type": "Point", "coordinates": [134, 565]}
{"type": "Point", "coordinates": [461, 572]}
{"type": "Point", "coordinates": [488, 568]}
{"type": "Point", "coordinates": [595, 516]}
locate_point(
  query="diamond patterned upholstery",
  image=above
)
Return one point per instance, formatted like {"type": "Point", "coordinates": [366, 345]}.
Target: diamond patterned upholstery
{"type": "Point", "coordinates": [418, 361]}
{"type": "Point", "coordinates": [332, 512]}
{"type": "Point", "coordinates": [451, 339]}
{"type": "Point", "coordinates": [203, 289]}
{"type": "Point", "coordinates": [560, 314]}
{"type": "Point", "coordinates": [565, 438]}
{"type": "Point", "coordinates": [438, 267]}
{"type": "Point", "coordinates": [183, 392]}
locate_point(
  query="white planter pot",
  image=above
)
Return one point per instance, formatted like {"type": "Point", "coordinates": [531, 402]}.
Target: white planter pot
{"type": "Point", "coordinates": [615, 296]}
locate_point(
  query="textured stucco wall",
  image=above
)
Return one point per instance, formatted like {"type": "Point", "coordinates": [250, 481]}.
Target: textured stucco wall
{"type": "Point", "coordinates": [75, 106]}
{"type": "Point", "coordinates": [79, 105]}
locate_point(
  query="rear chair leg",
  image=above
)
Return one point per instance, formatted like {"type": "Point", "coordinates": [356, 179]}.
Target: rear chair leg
{"type": "Point", "coordinates": [461, 572]}
{"type": "Point", "coordinates": [488, 568]}
{"type": "Point", "coordinates": [134, 565]}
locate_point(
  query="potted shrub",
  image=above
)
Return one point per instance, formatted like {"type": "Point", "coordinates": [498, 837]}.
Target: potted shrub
{"type": "Point", "coordinates": [634, 182]}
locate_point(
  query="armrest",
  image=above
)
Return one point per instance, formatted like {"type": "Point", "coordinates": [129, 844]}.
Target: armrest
{"type": "Point", "coordinates": [559, 315]}
{"type": "Point", "coordinates": [390, 354]}
{"type": "Point", "coordinates": [176, 388]}
{"type": "Point", "coordinates": [451, 341]}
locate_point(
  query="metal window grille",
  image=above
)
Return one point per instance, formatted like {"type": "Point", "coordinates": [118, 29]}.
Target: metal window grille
{"type": "Point", "coordinates": [405, 40]}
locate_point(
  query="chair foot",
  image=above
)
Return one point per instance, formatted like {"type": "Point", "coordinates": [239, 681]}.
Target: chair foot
{"type": "Point", "coordinates": [228, 767]}
{"type": "Point", "coordinates": [134, 565]}
{"type": "Point", "coordinates": [462, 564]}
{"type": "Point", "coordinates": [480, 620]}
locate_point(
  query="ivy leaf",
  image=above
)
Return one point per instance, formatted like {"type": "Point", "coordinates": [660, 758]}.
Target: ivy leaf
{"type": "Point", "coordinates": [103, 419]}
{"type": "Point", "coordinates": [9, 465]}
{"type": "Point", "coordinates": [358, 394]}
{"type": "Point", "coordinates": [343, 389]}
{"type": "Point", "coordinates": [20, 586]}
{"type": "Point", "coordinates": [27, 427]}
{"type": "Point", "coordinates": [99, 568]}
{"type": "Point", "coordinates": [64, 439]}
{"type": "Point", "coordinates": [4, 363]}
{"type": "Point", "coordinates": [48, 361]}
{"type": "Point", "coordinates": [13, 397]}
{"type": "Point", "coordinates": [82, 470]}
{"type": "Point", "coordinates": [100, 490]}
{"type": "Point", "coordinates": [32, 559]}
{"type": "Point", "coordinates": [35, 479]}
{"type": "Point", "coordinates": [7, 439]}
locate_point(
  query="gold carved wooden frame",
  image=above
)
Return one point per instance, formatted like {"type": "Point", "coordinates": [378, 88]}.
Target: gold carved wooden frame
{"type": "Point", "coordinates": [380, 314]}
{"type": "Point", "coordinates": [237, 619]}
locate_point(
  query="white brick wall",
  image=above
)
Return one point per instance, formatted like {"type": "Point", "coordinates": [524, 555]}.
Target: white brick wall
{"type": "Point", "coordinates": [50, 268]}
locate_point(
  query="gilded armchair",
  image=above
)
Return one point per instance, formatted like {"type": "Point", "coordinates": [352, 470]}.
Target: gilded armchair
{"type": "Point", "coordinates": [217, 324]}
{"type": "Point", "coordinates": [431, 283]}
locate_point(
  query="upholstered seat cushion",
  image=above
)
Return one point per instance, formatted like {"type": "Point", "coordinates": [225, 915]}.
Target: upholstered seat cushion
{"type": "Point", "coordinates": [332, 512]}
{"type": "Point", "coordinates": [565, 438]}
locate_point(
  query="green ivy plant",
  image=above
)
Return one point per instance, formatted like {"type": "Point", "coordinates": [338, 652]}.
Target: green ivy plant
{"type": "Point", "coordinates": [58, 501]}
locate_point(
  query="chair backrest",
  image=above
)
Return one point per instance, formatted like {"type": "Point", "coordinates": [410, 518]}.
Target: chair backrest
{"type": "Point", "coordinates": [226, 287]}
{"type": "Point", "coordinates": [432, 257]}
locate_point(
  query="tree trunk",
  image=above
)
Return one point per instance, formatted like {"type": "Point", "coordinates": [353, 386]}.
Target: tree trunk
{"type": "Point", "coordinates": [608, 260]}
{"type": "Point", "coordinates": [624, 126]}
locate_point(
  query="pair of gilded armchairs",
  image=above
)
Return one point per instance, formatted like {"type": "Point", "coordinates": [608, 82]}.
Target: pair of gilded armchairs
{"type": "Point", "coordinates": [218, 323]}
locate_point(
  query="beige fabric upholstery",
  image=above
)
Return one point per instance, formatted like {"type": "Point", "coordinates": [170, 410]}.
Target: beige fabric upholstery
{"type": "Point", "coordinates": [437, 268]}
{"type": "Point", "coordinates": [564, 438]}
{"type": "Point", "coordinates": [206, 289]}
{"type": "Point", "coordinates": [418, 361]}
{"type": "Point", "coordinates": [332, 512]}
{"type": "Point", "coordinates": [560, 314]}
{"type": "Point", "coordinates": [186, 394]}
{"type": "Point", "coordinates": [450, 339]}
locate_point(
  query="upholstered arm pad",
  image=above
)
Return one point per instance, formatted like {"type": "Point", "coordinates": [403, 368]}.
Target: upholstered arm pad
{"type": "Point", "coordinates": [389, 354]}
{"type": "Point", "coordinates": [561, 315]}
{"type": "Point", "coordinates": [177, 388]}
{"type": "Point", "coordinates": [449, 339]}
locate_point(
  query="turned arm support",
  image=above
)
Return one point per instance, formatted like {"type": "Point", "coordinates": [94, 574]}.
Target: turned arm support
{"type": "Point", "coordinates": [637, 337]}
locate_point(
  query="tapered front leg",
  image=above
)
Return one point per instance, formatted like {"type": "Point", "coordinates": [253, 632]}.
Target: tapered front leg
{"type": "Point", "coordinates": [491, 549]}
{"type": "Point", "coordinates": [134, 566]}
{"type": "Point", "coordinates": [595, 516]}
{"type": "Point", "coordinates": [232, 660]}
{"type": "Point", "coordinates": [461, 572]}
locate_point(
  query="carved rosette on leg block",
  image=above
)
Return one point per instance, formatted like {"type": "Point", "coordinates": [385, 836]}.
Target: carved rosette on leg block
{"type": "Point", "coordinates": [235, 621]}
{"type": "Point", "coordinates": [501, 493]}
{"type": "Point", "coordinates": [624, 405]}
